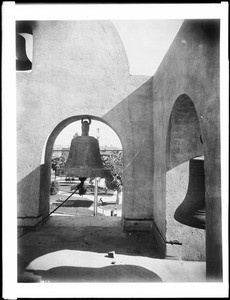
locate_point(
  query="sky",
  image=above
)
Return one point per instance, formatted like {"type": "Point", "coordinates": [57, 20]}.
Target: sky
{"type": "Point", "coordinates": [106, 135]}
{"type": "Point", "coordinates": [145, 42]}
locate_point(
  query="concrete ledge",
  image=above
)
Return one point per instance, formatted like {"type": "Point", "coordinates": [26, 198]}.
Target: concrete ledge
{"type": "Point", "coordinates": [173, 251]}
{"type": "Point", "coordinates": [28, 221]}
{"type": "Point", "coordinates": [137, 224]}
{"type": "Point", "coordinates": [169, 249]}
{"type": "Point", "coordinates": [161, 243]}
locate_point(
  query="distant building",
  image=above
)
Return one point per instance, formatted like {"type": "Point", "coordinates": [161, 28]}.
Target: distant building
{"type": "Point", "coordinates": [59, 151]}
{"type": "Point", "coordinates": [104, 150]}
{"type": "Point", "coordinates": [109, 150]}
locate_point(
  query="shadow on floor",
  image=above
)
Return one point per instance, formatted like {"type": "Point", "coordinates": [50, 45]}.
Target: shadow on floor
{"type": "Point", "coordinates": [114, 273]}
{"type": "Point", "coordinates": [78, 203]}
{"type": "Point", "coordinates": [101, 240]}
{"type": "Point", "coordinates": [61, 233]}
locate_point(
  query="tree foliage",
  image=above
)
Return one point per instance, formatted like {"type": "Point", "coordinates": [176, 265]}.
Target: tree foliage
{"type": "Point", "coordinates": [54, 187]}
{"type": "Point", "coordinates": [114, 163]}
{"type": "Point", "coordinates": [58, 163]}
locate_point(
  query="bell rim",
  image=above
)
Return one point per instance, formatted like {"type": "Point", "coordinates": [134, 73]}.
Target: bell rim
{"type": "Point", "coordinates": [197, 220]}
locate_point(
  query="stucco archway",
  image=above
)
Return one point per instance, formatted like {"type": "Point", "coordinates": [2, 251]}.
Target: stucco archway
{"type": "Point", "coordinates": [45, 177]}
{"type": "Point", "coordinates": [184, 139]}
{"type": "Point", "coordinates": [184, 142]}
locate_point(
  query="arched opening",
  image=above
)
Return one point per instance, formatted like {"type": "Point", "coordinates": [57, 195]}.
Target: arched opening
{"type": "Point", "coordinates": [184, 148]}
{"type": "Point", "coordinates": [24, 46]}
{"type": "Point", "coordinates": [53, 174]}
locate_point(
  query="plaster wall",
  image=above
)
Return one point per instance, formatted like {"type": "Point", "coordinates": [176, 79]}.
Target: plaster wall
{"type": "Point", "coordinates": [79, 68]}
{"type": "Point", "coordinates": [135, 128]}
{"type": "Point", "coordinates": [191, 67]}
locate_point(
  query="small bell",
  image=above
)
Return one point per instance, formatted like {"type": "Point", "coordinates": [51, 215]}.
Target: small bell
{"type": "Point", "coordinates": [191, 211]}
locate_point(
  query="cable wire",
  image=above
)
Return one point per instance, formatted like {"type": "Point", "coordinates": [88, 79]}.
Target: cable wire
{"type": "Point", "coordinates": [33, 227]}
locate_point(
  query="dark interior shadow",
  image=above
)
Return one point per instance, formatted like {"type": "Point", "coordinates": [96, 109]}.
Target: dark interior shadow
{"type": "Point", "coordinates": [107, 203]}
{"type": "Point", "coordinates": [113, 273]}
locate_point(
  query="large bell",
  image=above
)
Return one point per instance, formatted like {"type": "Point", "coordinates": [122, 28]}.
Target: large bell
{"type": "Point", "coordinates": [84, 158]}
{"type": "Point", "coordinates": [191, 211]}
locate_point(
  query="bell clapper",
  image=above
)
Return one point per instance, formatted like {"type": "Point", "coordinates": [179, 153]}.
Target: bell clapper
{"type": "Point", "coordinates": [81, 188]}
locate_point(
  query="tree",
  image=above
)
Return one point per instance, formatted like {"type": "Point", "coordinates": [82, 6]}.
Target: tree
{"type": "Point", "coordinates": [114, 163]}
{"type": "Point", "coordinates": [58, 163]}
{"type": "Point", "coordinates": [76, 134]}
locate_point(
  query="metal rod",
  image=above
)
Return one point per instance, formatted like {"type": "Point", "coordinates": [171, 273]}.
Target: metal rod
{"type": "Point", "coordinates": [95, 196]}
{"type": "Point", "coordinates": [117, 198]}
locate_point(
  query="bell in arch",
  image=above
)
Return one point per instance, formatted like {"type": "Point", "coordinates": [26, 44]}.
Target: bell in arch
{"type": "Point", "coordinates": [84, 158]}
{"type": "Point", "coordinates": [191, 211]}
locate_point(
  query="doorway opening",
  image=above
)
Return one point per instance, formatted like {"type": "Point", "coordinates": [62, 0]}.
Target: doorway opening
{"type": "Point", "coordinates": [109, 190]}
